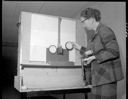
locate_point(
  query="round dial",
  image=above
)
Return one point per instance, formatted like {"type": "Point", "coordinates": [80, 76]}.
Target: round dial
{"type": "Point", "coordinates": [69, 45]}
{"type": "Point", "coordinates": [52, 49]}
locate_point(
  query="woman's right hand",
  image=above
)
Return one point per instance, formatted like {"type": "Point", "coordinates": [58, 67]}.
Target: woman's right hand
{"type": "Point", "coordinates": [76, 46]}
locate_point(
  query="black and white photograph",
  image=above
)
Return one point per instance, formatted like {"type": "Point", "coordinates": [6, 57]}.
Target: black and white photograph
{"type": "Point", "coordinates": [63, 49]}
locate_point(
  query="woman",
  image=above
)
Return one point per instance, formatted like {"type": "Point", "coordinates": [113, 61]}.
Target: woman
{"type": "Point", "coordinates": [105, 59]}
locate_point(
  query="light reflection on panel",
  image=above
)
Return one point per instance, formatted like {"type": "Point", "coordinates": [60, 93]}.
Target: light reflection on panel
{"type": "Point", "coordinates": [44, 31]}
{"type": "Point", "coordinates": [68, 33]}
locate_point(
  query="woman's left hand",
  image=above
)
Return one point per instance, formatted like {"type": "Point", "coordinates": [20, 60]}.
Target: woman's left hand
{"type": "Point", "coordinates": [89, 59]}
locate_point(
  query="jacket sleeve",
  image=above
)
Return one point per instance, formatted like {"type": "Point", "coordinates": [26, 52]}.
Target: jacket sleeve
{"type": "Point", "coordinates": [82, 50]}
{"type": "Point", "coordinates": [110, 46]}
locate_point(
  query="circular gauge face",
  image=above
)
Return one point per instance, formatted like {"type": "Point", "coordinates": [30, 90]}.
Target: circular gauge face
{"type": "Point", "coordinates": [52, 49]}
{"type": "Point", "coordinates": [69, 46]}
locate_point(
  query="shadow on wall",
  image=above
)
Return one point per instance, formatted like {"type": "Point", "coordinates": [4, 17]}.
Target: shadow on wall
{"type": "Point", "coordinates": [9, 67]}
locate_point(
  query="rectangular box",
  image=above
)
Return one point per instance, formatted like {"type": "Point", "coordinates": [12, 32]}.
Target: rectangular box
{"type": "Point", "coordinates": [34, 72]}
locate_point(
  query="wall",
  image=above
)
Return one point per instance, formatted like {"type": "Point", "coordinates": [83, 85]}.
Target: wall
{"type": "Point", "coordinates": [9, 66]}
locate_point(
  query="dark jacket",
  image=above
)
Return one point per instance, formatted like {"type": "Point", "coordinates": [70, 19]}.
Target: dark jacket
{"type": "Point", "coordinates": [106, 68]}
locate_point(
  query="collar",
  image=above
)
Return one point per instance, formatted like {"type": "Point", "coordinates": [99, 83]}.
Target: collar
{"type": "Point", "coordinates": [98, 27]}
{"type": "Point", "coordinates": [96, 32]}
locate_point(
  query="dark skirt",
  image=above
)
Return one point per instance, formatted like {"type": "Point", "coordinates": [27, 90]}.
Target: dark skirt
{"type": "Point", "coordinates": [106, 91]}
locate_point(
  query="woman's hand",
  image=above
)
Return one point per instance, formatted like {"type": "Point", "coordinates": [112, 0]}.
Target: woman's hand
{"type": "Point", "coordinates": [76, 46]}
{"type": "Point", "coordinates": [89, 52]}
{"type": "Point", "coordinates": [89, 59]}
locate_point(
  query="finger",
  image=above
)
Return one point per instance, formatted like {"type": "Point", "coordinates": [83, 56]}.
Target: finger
{"type": "Point", "coordinates": [86, 59]}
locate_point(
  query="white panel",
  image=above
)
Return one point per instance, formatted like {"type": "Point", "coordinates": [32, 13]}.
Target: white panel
{"type": "Point", "coordinates": [44, 32]}
{"type": "Point", "coordinates": [37, 53]}
{"type": "Point", "coordinates": [68, 33]}
{"type": "Point", "coordinates": [49, 78]}
{"type": "Point", "coordinates": [24, 36]}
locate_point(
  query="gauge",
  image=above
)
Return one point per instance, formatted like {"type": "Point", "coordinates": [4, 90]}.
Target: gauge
{"type": "Point", "coordinates": [69, 45]}
{"type": "Point", "coordinates": [52, 49]}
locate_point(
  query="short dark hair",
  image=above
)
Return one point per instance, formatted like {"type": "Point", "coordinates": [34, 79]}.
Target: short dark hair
{"type": "Point", "coordinates": [90, 12]}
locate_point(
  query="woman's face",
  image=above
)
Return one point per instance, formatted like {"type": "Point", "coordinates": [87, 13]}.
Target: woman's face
{"type": "Point", "coordinates": [87, 23]}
